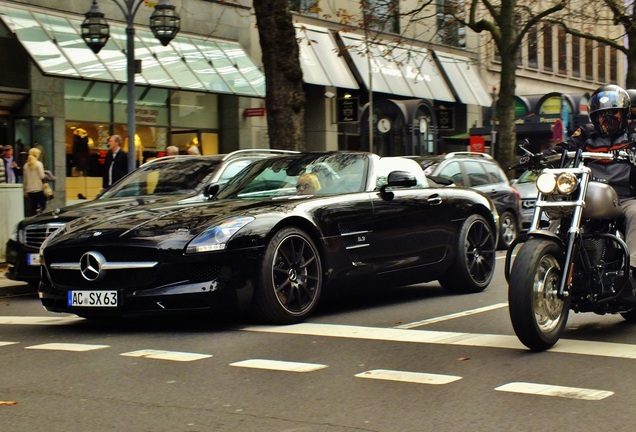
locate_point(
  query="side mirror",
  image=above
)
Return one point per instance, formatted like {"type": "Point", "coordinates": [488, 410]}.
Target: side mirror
{"type": "Point", "coordinates": [397, 179]}
{"type": "Point", "coordinates": [211, 190]}
{"type": "Point", "coordinates": [401, 178]}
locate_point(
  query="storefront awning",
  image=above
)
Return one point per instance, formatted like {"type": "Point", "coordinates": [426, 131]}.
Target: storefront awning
{"type": "Point", "coordinates": [319, 58]}
{"type": "Point", "coordinates": [465, 79]}
{"type": "Point", "coordinates": [189, 62]}
{"type": "Point", "coordinates": [397, 69]}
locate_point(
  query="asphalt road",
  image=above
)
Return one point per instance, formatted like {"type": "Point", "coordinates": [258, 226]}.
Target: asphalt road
{"type": "Point", "coordinates": [401, 359]}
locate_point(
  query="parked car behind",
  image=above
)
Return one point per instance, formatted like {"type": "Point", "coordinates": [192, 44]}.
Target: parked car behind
{"type": "Point", "coordinates": [266, 244]}
{"type": "Point", "coordinates": [167, 179]}
{"type": "Point", "coordinates": [527, 188]}
{"type": "Point", "coordinates": [481, 172]}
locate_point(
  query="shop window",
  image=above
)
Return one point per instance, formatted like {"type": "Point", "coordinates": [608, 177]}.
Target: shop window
{"type": "Point", "coordinates": [194, 110]}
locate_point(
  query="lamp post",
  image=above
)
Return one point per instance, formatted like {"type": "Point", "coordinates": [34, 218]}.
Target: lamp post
{"type": "Point", "coordinates": [164, 23]}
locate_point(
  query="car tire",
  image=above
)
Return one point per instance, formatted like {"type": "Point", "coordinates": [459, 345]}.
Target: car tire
{"type": "Point", "coordinates": [508, 230]}
{"type": "Point", "coordinates": [474, 264]}
{"type": "Point", "coordinates": [289, 282]}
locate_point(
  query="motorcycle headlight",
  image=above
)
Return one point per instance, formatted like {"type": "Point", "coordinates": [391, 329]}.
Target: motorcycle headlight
{"type": "Point", "coordinates": [215, 238]}
{"type": "Point", "coordinates": [546, 183]}
{"type": "Point", "coordinates": [566, 183]}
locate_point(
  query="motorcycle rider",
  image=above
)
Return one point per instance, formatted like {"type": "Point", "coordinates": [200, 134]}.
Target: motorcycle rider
{"type": "Point", "coordinates": [609, 109]}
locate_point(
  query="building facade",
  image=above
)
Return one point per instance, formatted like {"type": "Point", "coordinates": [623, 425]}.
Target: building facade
{"type": "Point", "coordinates": [375, 80]}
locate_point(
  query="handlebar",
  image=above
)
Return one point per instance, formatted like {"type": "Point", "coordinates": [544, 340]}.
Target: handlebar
{"type": "Point", "coordinates": [540, 160]}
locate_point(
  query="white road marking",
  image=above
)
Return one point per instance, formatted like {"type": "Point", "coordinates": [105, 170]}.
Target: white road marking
{"type": "Point", "coordinates": [34, 320]}
{"type": "Point", "coordinates": [7, 343]}
{"type": "Point", "coordinates": [566, 346]}
{"type": "Point", "coordinates": [557, 391]}
{"type": "Point", "coordinates": [166, 355]}
{"type": "Point", "coordinates": [279, 365]}
{"type": "Point", "coordinates": [451, 316]}
{"type": "Point", "coordinates": [412, 377]}
{"type": "Point", "coordinates": [67, 347]}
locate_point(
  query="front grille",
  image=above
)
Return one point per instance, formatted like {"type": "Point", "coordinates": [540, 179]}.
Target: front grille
{"type": "Point", "coordinates": [528, 203]}
{"type": "Point", "coordinates": [34, 235]}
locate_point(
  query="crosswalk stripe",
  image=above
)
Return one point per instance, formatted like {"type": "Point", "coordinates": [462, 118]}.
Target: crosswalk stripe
{"type": "Point", "coordinates": [35, 320]}
{"type": "Point", "coordinates": [166, 355]}
{"type": "Point", "coordinates": [566, 346]}
{"type": "Point", "coordinates": [279, 365]}
{"type": "Point", "coordinates": [557, 391]}
{"type": "Point", "coordinates": [405, 376]}
{"type": "Point", "coordinates": [67, 347]}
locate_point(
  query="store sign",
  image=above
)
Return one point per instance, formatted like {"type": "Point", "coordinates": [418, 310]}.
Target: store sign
{"type": "Point", "coordinates": [347, 110]}
{"type": "Point", "coordinates": [477, 144]}
{"type": "Point", "coordinates": [445, 119]}
{"type": "Point", "coordinates": [254, 112]}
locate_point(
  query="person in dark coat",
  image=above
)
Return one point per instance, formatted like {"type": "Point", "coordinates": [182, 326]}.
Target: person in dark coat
{"type": "Point", "coordinates": [116, 165]}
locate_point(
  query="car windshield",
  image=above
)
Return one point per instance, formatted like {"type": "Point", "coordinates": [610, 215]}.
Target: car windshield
{"type": "Point", "coordinates": [171, 177]}
{"type": "Point", "coordinates": [528, 177]}
{"type": "Point", "coordinates": [307, 174]}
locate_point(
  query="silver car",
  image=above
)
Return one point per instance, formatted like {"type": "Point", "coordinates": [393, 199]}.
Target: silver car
{"type": "Point", "coordinates": [527, 188]}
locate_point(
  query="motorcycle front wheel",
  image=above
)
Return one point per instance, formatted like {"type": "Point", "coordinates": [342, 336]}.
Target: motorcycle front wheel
{"type": "Point", "coordinates": [538, 315]}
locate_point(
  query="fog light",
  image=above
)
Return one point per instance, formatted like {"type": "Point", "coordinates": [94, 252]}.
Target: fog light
{"type": "Point", "coordinates": [546, 183]}
{"type": "Point", "coordinates": [566, 183]}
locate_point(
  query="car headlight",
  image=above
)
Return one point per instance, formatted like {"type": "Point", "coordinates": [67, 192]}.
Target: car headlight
{"type": "Point", "coordinates": [215, 238]}
{"type": "Point", "coordinates": [546, 183]}
{"type": "Point", "coordinates": [14, 233]}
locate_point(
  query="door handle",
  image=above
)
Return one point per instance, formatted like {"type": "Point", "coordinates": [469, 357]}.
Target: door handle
{"type": "Point", "coordinates": [434, 200]}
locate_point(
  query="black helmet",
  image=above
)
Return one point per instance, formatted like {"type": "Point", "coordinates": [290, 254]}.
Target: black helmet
{"type": "Point", "coordinates": [603, 103]}
{"type": "Point", "coordinates": [632, 96]}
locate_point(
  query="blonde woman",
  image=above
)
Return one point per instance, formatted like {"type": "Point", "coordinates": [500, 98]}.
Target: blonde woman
{"type": "Point", "coordinates": [33, 174]}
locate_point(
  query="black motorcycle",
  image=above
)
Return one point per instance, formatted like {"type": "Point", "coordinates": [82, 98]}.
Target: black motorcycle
{"type": "Point", "coordinates": [580, 262]}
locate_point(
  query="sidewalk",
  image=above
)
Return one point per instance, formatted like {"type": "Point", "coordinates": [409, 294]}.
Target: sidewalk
{"type": "Point", "coordinates": [8, 286]}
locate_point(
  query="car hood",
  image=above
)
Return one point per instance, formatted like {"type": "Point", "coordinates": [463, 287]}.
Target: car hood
{"type": "Point", "coordinates": [526, 190]}
{"type": "Point", "coordinates": [96, 206]}
{"type": "Point", "coordinates": [176, 222]}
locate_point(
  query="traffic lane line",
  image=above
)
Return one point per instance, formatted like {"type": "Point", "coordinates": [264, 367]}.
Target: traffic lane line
{"type": "Point", "coordinates": [67, 347]}
{"type": "Point", "coordinates": [565, 346]}
{"type": "Point", "coordinates": [452, 316]}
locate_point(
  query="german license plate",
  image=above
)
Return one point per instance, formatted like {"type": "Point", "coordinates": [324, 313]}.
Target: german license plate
{"type": "Point", "coordinates": [87, 298]}
{"type": "Point", "coordinates": [33, 259]}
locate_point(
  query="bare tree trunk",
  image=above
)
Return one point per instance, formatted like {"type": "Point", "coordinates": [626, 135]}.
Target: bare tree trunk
{"type": "Point", "coordinates": [506, 129]}
{"type": "Point", "coordinates": [285, 96]}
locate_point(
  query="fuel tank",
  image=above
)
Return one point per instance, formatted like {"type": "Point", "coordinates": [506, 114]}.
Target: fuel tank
{"type": "Point", "coordinates": [601, 202]}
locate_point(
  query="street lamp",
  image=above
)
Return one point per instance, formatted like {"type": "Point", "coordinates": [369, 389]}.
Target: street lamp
{"type": "Point", "coordinates": [164, 23]}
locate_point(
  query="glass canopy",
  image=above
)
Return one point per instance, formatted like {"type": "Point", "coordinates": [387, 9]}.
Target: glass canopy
{"type": "Point", "coordinates": [189, 62]}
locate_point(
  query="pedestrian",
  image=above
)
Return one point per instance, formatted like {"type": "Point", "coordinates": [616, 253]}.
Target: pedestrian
{"type": "Point", "coordinates": [172, 151]}
{"type": "Point", "coordinates": [116, 165]}
{"type": "Point", "coordinates": [12, 170]}
{"type": "Point", "coordinates": [33, 173]}
{"type": "Point", "coordinates": [3, 174]}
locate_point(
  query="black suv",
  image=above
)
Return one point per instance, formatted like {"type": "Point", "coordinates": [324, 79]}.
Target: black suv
{"type": "Point", "coordinates": [481, 172]}
{"type": "Point", "coordinates": [167, 179]}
